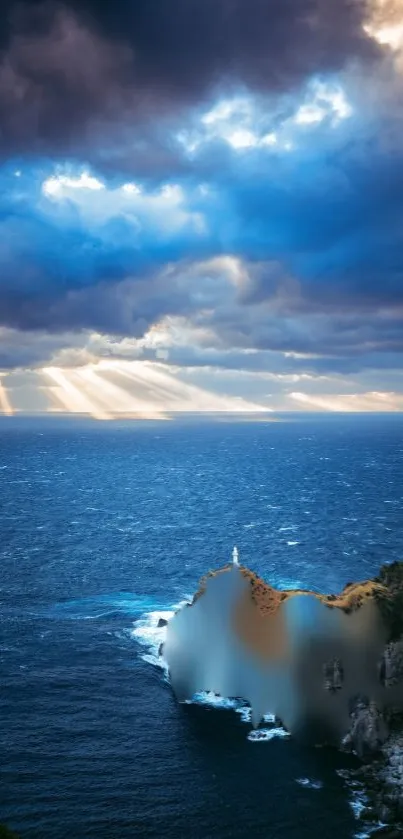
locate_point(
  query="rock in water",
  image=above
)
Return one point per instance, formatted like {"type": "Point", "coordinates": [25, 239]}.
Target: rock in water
{"type": "Point", "coordinates": [162, 622]}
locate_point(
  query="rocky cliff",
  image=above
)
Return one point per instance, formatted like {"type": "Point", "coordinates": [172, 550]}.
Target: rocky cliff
{"type": "Point", "coordinates": [330, 666]}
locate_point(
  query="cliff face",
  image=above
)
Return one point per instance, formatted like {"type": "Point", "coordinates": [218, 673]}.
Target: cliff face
{"type": "Point", "coordinates": [390, 602]}
{"type": "Point", "coordinates": [329, 666]}
{"type": "Point", "coordinates": [386, 590]}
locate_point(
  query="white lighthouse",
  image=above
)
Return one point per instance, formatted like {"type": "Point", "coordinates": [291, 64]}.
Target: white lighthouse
{"type": "Point", "coordinates": [235, 556]}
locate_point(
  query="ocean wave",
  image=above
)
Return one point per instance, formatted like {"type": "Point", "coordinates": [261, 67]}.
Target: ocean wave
{"type": "Point", "coordinates": [102, 606]}
{"type": "Point", "coordinates": [149, 635]}
{"type": "Point", "coordinates": [359, 801]}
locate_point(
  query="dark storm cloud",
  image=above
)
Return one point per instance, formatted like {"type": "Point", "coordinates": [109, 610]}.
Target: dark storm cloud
{"type": "Point", "coordinates": [331, 342]}
{"type": "Point", "coordinates": [32, 349]}
{"type": "Point", "coordinates": [317, 231]}
{"type": "Point", "coordinates": [326, 224]}
{"type": "Point", "coordinates": [321, 267]}
{"type": "Point", "coordinates": [60, 271]}
{"type": "Point", "coordinates": [275, 363]}
{"type": "Point", "coordinates": [73, 74]}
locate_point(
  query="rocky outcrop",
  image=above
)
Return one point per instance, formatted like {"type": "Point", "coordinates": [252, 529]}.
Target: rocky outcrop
{"type": "Point", "coordinates": [333, 675]}
{"type": "Point", "coordinates": [386, 590]}
{"type": "Point", "coordinates": [359, 684]}
{"type": "Point", "coordinates": [161, 623]}
{"type": "Point", "coordinates": [390, 579]}
{"type": "Point", "coordinates": [383, 781]}
{"type": "Point", "coordinates": [391, 670]}
{"type": "Point", "coordinates": [369, 730]}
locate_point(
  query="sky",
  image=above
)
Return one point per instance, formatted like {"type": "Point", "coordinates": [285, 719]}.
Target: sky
{"type": "Point", "coordinates": [201, 206]}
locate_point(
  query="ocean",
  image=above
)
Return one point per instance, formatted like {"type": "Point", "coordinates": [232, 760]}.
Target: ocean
{"type": "Point", "coordinates": [106, 527]}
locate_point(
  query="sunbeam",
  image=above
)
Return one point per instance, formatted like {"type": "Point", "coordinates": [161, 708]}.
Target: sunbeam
{"type": "Point", "coordinates": [71, 396]}
{"type": "Point", "coordinates": [149, 392]}
{"type": "Point", "coordinates": [176, 394]}
{"type": "Point", "coordinates": [5, 404]}
{"type": "Point", "coordinates": [110, 394]}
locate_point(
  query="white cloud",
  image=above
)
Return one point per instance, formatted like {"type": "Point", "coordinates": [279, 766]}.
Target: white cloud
{"type": "Point", "coordinates": [236, 121]}
{"type": "Point", "coordinates": [243, 123]}
{"type": "Point", "coordinates": [165, 208]}
{"type": "Point", "coordinates": [324, 102]}
{"type": "Point", "coordinates": [372, 401]}
{"type": "Point", "coordinates": [390, 35]}
{"type": "Point", "coordinates": [59, 185]}
{"type": "Point", "coordinates": [269, 139]}
{"type": "Point", "coordinates": [227, 109]}
{"type": "Point", "coordinates": [385, 24]}
{"type": "Point", "coordinates": [308, 113]}
{"type": "Point", "coordinates": [241, 138]}
{"type": "Point", "coordinates": [131, 188]}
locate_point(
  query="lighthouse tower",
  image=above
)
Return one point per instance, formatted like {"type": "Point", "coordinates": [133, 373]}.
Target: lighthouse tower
{"type": "Point", "coordinates": [235, 557]}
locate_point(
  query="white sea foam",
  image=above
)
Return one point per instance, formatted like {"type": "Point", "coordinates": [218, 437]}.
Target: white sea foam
{"type": "Point", "coordinates": [369, 831]}
{"type": "Point", "coordinates": [358, 801]}
{"type": "Point", "coordinates": [101, 606]}
{"type": "Point", "coordinates": [309, 783]}
{"type": "Point", "coordinates": [150, 636]}
{"type": "Point", "coordinates": [245, 712]}
{"type": "Point", "coordinates": [290, 527]}
{"type": "Point", "coordinates": [212, 700]}
{"type": "Point", "coordinates": [263, 734]}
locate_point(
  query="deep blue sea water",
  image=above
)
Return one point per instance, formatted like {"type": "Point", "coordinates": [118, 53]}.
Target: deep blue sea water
{"type": "Point", "coordinates": [105, 526]}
